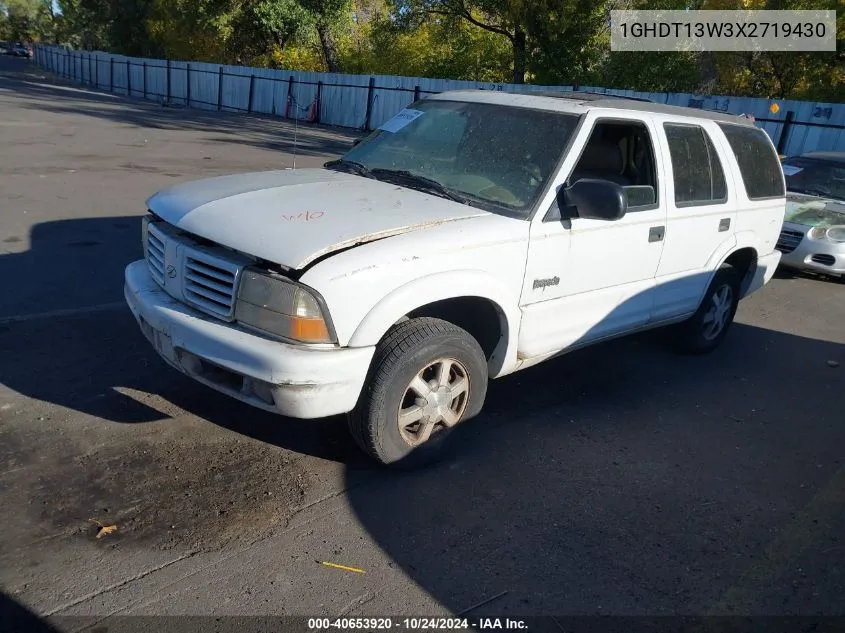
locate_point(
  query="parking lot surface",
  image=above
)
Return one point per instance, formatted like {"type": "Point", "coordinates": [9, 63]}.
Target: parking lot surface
{"type": "Point", "coordinates": [620, 479]}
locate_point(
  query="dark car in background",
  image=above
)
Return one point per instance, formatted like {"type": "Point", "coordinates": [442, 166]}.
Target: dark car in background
{"type": "Point", "coordinates": [21, 50]}
{"type": "Point", "coordinates": [813, 235]}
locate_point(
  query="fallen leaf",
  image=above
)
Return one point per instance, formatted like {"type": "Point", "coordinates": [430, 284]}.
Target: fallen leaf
{"type": "Point", "coordinates": [103, 530]}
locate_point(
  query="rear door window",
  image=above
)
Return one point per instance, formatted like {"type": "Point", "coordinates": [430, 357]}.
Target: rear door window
{"type": "Point", "coordinates": [758, 162]}
{"type": "Point", "coordinates": [696, 169]}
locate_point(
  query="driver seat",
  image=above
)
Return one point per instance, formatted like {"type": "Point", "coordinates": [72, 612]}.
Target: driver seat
{"type": "Point", "coordinates": [602, 160]}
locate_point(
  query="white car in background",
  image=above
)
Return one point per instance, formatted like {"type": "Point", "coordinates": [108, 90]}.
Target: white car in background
{"type": "Point", "coordinates": [813, 235]}
{"type": "Point", "coordinates": [473, 235]}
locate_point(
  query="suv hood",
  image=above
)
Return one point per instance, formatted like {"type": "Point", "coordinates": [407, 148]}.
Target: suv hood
{"type": "Point", "coordinates": [291, 218]}
{"type": "Point", "coordinates": [814, 211]}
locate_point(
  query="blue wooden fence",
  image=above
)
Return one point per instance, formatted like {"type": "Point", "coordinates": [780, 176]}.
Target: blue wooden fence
{"type": "Point", "coordinates": [365, 102]}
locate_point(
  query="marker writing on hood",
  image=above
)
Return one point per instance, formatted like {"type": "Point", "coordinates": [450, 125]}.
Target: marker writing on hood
{"type": "Point", "coordinates": [305, 216]}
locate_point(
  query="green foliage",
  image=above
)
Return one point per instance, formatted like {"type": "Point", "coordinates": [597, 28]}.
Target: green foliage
{"type": "Point", "coordinates": [261, 26]}
{"type": "Point", "coordinates": [437, 46]}
{"type": "Point", "coordinates": [27, 20]}
{"type": "Point", "coordinates": [539, 41]}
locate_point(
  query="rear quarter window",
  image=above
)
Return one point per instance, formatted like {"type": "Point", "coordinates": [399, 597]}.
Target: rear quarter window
{"type": "Point", "coordinates": [758, 162]}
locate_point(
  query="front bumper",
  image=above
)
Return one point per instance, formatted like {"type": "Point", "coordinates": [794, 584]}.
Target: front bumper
{"type": "Point", "coordinates": [802, 252]}
{"type": "Point", "coordinates": [817, 256]}
{"type": "Point", "coordinates": [292, 380]}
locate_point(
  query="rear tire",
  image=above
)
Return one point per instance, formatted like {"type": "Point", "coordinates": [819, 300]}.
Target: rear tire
{"type": "Point", "coordinates": [427, 376]}
{"type": "Point", "coordinates": [708, 327]}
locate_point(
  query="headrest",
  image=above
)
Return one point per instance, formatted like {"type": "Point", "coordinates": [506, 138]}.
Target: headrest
{"type": "Point", "coordinates": [601, 156]}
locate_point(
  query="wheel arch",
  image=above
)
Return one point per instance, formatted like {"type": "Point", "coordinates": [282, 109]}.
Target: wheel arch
{"type": "Point", "coordinates": [744, 260]}
{"type": "Point", "coordinates": [740, 251]}
{"type": "Point", "coordinates": [470, 299]}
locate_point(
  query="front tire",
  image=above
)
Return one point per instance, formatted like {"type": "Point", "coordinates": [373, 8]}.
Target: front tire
{"type": "Point", "coordinates": [709, 326]}
{"type": "Point", "coordinates": [427, 376]}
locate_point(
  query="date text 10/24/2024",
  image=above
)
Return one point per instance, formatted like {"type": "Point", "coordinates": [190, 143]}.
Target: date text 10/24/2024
{"type": "Point", "coordinates": [416, 624]}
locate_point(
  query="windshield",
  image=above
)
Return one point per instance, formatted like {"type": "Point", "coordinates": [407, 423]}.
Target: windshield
{"type": "Point", "coordinates": [815, 176]}
{"type": "Point", "coordinates": [492, 156]}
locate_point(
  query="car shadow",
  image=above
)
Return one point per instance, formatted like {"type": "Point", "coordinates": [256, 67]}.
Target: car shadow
{"type": "Point", "coordinates": [619, 478]}
{"type": "Point", "coordinates": [69, 339]}
{"type": "Point", "coordinates": [49, 93]}
{"type": "Point", "coordinates": [793, 273]}
{"type": "Point", "coordinates": [622, 479]}
{"type": "Point", "coordinates": [16, 618]}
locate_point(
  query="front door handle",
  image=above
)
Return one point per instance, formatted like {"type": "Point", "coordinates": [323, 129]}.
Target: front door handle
{"type": "Point", "coordinates": [656, 233]}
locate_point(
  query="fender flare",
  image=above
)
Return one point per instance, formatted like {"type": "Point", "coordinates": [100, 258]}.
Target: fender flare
{"type": "Point", "coordinates": [438, 287]}
{"type": "Point", "coordinates": [738, 241]}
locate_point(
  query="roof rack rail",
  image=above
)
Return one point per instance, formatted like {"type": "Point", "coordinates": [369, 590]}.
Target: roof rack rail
{"type": "Point", "coordinates": [583, 95]}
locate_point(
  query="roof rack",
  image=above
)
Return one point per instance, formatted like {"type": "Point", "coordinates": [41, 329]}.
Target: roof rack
{"type": "Point", "coordinates": [585, 96]}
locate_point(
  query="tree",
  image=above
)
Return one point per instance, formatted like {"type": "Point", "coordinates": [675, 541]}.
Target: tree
{"type": "Point", "coordinates": [193, 30]}
{"type": "Point", "coordinates": [28, 20]}
{"type": "Point", "coordinates": [262, 26]}
{"type": "Point", "coordinates": [432, 46]}
{"type": "Point", "coordinates": [327, 14]}
{"type": "Point", "coordinates": [506, 18]}
{"type": "Point", "coordinates": [568, 41]}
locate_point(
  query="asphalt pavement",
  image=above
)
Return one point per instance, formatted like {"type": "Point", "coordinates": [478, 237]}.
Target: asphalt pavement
{"type": "Point", "coordinates": [620, 479]}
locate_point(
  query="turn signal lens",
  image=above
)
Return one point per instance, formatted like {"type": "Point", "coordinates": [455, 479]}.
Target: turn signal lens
{"type": "Point", "coordinates": [278, 306]}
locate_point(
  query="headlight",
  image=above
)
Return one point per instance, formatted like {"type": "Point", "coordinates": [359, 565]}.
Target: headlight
{"type": "Point", "coordinates": [145, 227]}
{"type": "Point", "coordinates": [836, 233]}
{"type": "Point", "coordinates": [278, 306]}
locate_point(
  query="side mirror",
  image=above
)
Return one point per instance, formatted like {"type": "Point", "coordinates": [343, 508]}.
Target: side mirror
{"type": "Point", "coordinates": [592, 199]}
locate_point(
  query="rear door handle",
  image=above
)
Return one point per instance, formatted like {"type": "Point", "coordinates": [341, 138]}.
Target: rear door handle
{"type": "Point", "coordinates": [724, 224]}
{"type": "Point", "coordinates": [656, 233]}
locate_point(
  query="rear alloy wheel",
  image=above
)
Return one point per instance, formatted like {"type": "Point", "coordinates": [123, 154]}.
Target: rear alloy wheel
{"type": "Point", "coordinates": [427, 376]}
{"type": "Point", "coordinates": [718, 313]}
{"type": "Point", "coordinates": [707, 328]}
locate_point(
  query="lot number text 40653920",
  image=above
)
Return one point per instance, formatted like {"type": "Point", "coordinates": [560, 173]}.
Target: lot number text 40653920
{"type": "Point", "coordinates": [416, 624]}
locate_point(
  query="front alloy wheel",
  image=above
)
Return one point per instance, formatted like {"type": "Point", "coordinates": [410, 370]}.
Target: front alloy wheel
{"type": "Point", "coordinates": [436, 398]}
{"type": "Point", "coordinates": [427, 376]}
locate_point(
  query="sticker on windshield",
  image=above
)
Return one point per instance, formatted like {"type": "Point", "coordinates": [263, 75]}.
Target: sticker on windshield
{"type": "Point", "coordinates": [401, 120]}
{"type": "Point", "coordinates": [791, 170]}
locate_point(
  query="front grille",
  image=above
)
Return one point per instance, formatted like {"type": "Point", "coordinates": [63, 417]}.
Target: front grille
{"type": "Point", "coordinates": [824, 260]}
{"type": "Point", "coordinates": [789, 240]}
{"type": "Point", "coordinates": [195, 274]}
{"type": "Point", "coordinates": [155, 255]}
{"type": "Point", "coordinates": [210, 283]}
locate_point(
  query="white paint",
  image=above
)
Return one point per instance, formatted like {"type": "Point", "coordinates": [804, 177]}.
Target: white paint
{"type": "Point", "coordinates": [555, 285]}
{"type": "Point", "coordinates": [293, 217]}
{"type": "Point", "coordinates": [681, 280]}
{"type": "Point", "coordinates": [606, 270]}
{"type": "Point", "coordinates": [307, 383]}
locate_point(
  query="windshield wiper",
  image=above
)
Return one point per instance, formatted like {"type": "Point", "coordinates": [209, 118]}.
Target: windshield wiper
{"type": "Point", "coordinates": [351, 166]}
{"type": "Point", "coordinates": [420, 183]}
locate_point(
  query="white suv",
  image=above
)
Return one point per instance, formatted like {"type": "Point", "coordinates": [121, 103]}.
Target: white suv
{"type": "Point", "coordinates": [473, 235]}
